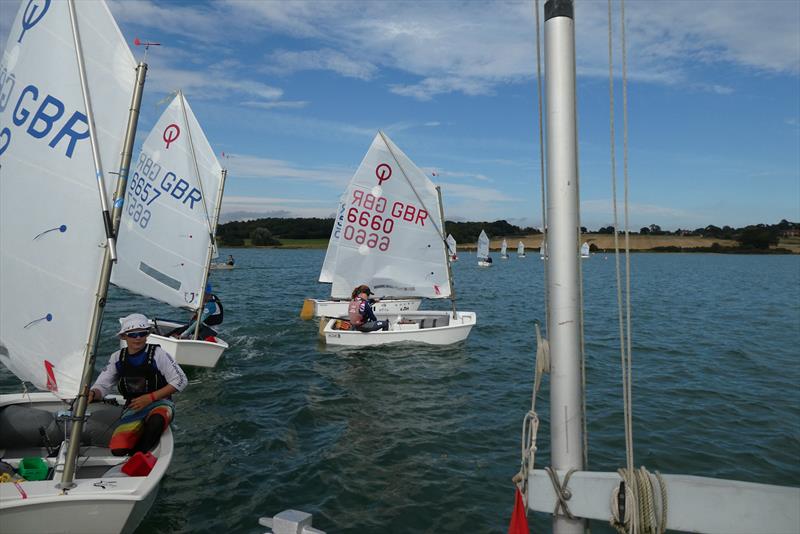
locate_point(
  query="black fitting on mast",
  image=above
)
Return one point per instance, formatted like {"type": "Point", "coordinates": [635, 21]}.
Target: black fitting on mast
{"type": "Point", "coordinates": [558, 8]}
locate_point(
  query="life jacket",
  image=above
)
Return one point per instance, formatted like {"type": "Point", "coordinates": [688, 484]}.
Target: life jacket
{"type": "Point", "coordinates": [354, 312]}
{"type": "Point", "coordinates": [216, 317]}
{"type": "Point", "coordinates": [137, 380]}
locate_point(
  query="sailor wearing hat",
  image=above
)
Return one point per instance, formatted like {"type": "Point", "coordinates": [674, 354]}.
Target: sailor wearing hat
{"type": "Point", "coordinates": [147, 376]}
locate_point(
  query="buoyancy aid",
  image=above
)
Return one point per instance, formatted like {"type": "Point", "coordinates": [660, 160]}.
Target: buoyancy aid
{"type": "Point", "coordinates": [216, 317]}
{"type": "Point", "coordinates": [137, 380]}
{"type": "Point", "coordinates": [354, 312]}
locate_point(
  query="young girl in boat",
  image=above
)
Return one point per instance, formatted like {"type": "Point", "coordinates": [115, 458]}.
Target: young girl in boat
{"type": "Point", "coordinates": [360, 312]}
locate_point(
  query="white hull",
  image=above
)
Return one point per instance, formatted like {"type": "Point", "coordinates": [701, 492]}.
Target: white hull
{"type": "Point", "coordinates": [504, 257]}
{"type": "Point", "coordinates": [220, 267]}
{"type": "Point", "coordinates": [484, 264]}
{"type": "Point", "coordinates": [97, 504]}
{"type": "Point", "coordinates": [423, 329]}
{"type": "Point", "coordinates": [338, 308]}
{"type": "Point", "coordinates": [190, 352]}
{"type": "Point", "coordinates": [520, 255]}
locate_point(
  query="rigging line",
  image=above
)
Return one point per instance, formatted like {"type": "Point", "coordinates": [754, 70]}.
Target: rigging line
{"type": "Point", "coordinates": [580, 274]}
{"type": "Point", "coordinates": [623, 358]}
{"type": "Point", "coordinates": [627, 225]}
{"type": "Point", "coordinates": [196, 167]}
{"type": "Point", "coordinates": [400, 165]}
{"type": "Point", "coordinates": [542, 179]}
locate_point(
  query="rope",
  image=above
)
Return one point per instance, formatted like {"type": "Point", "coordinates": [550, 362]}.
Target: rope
{"type": "Point", "coordinates": [562, 492]}
{"type": "Point", "coordinates": [639, 514]}
{"type": "Point", "coordinates": [542, 180]}
{"type": "Point", "coordinates": [530, 424]}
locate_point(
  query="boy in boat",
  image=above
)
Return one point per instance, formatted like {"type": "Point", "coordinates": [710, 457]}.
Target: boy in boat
{"type": "Point", "coordinates": [230, 260]}
{"type": "Point", "coordinates": [147, 376]}
{"type": "Point", "coordinates": [360, 312]}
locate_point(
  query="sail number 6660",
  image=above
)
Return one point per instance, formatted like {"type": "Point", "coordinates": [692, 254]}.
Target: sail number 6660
{"type": "Point", "coordinates": [361, 237]}
{"type": "Point", "coordinates": [376, 222]}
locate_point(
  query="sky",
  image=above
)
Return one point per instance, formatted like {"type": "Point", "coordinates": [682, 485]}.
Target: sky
{"type": "Point", "coordinates": [293, 92]}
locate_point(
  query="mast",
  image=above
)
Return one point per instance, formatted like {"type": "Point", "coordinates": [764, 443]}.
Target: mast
{"type": "Point", "coordinates": [217, 206]}
{"type": "Point", "coordinates": [563, 274]}
{"type": "Point", "coordinates": [67, 478]}
{"type": "Point", "coordinates": [447, 254]}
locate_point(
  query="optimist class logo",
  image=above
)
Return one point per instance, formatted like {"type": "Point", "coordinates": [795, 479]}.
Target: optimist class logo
{"type": "Point", "coordinates": [171, 133]}
{"type": "Point", "coordinates": [383, 172]}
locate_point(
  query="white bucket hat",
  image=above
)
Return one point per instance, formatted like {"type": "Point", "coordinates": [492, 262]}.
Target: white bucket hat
{"type": "Point", "coordinates": [134, 321]}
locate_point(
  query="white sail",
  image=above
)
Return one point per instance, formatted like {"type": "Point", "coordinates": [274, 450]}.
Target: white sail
{"type": "Point", "coordinates": [51, 228]}
{"type": "Point", "coordinates": [165, 232]}
{"type": "Point", "coordinates": [326, 274]}
{"type": "Point", "coordinates": [503, 248]}
{"type": "Point", "coordinates": [483, 246]}
{"type": "Point", "coordinates": [585, 250]}
{"type": "Point", "coordinates": [393, 237]}
{"type": "Point", "coordinates": [451, 245]}
{"type": "Point", "coordinates": [520, 249]}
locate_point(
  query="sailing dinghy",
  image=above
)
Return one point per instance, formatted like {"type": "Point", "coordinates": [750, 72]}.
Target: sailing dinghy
{"type": "Point", "coordinates": [633, 499]}
{"type": "Point", "coordinates": [338, 307]}
{"type": "Point", "coordinates": [520, 250]}
{"type": "Point", "coordinates": [504, 250]}
{"type": "Point", "coordinates": [585, 251]}
{"type": "Point", "coordinates": [74, 92]}
{"type": "Point", "coordinates": [483, 250]}
{"type": "Point", "coordinates": [392, 239]}
{"type": "Point", "coordinates": [166, 236]}
{"type": "Point", "coordinates": [452, 248]}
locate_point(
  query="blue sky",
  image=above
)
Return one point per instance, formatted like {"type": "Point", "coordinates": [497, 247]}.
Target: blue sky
{"type": "Point", "coordinates": [295, 91]}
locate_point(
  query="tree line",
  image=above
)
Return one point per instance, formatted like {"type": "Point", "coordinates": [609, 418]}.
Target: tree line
{"type": "Point", "coordinates": [270, 231]}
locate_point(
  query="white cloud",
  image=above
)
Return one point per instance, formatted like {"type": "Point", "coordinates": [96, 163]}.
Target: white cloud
{"type": "Point", "coordinates": [284, 104]}
{"type": "Point", "coordinates": [471, 192]}
{"type": "Point", "coordinates": [246, 166]}
{"type": "Point", "coordinates": [285, 61]}
{"type": "Point", "coordinates": [471, 47]}
{"type": "Point", "coordinates": [247, 207]}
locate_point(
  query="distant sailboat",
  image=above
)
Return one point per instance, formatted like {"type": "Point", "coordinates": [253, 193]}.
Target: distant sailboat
{"type": "Point", "coordinates": [585, 250]}
{"type": "Point", "coordinates": [452, 249]}
{"type": "Point", "coordinates": [520, 250]}
{"type": "Point", "coordinates": [166, 232]}
{"type": "Point", "coordinates": [503, 249]}
{"type": "Point", "coordinates": [484, 260]}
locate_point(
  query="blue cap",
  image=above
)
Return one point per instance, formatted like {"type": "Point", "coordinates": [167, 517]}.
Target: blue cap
{"type": "Point", "coordinates": [208, 287]}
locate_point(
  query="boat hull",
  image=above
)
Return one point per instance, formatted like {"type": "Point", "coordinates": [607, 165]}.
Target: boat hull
{"type": "Point", "coordinates": [97, 504]}
{"type": "Point", "coordinates": [187, 352]}
{"type": "Point", "coordinates": [407, 328]}
{"type": "Point", "coordinates": [484, 264]}
{"type": "Point", "coordinates": [338, 308]}
{"type": "Point", "coordinates": [221, 267]}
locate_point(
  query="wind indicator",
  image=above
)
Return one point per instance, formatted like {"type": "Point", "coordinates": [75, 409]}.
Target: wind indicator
{"type": "Point", "coordinates": [145, 44]}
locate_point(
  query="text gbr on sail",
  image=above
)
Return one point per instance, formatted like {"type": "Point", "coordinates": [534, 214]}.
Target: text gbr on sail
{"type": "Point", "coordinates": [44, 114]}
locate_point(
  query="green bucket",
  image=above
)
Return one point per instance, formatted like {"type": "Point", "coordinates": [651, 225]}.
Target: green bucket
{"type": "Point", "coordinates": [32, 468]}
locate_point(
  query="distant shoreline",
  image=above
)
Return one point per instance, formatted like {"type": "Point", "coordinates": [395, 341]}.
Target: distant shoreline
{"type": "Point", "coordinates": [604, 243]}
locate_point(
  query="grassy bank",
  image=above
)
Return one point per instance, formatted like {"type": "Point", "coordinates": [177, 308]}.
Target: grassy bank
{"type": "Point", "coordinates": [640, 243]}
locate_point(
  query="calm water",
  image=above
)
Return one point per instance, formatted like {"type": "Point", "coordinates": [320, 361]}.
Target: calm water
{"type": "Point", "coordinates": [411, 439]}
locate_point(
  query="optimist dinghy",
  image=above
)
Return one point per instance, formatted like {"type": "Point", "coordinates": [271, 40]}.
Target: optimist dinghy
{"type": "Point", "coordinates": [55, 260]}
{"type": "Point", "coordinates": [503, 250]}
{"type": "Point", "coordinates": [483, 250]}
{"type": "Point", "coordinates": [165, 241]}
{"type": "Point", "coordinates": [452, 248]}
{"type": "Point", "coordinates": [520, 250]}
{"type": "Point", "coordinates": [392, 239]}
